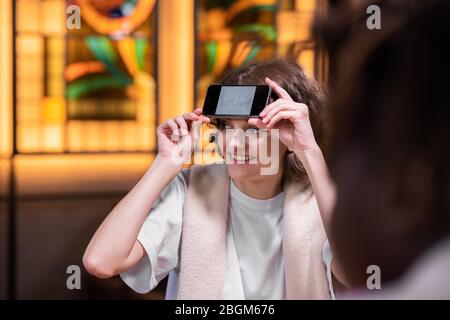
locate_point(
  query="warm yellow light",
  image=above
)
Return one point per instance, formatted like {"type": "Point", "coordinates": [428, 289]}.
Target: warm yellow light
{"type": "Point", "coordinates": [28, 15]}
{"type": "Point", "coordinates": [72, 174]}
{"type": "Point", "coordinates": [53, 138]}
{"type": "Point", "coordinates": [294, 26]}
{"type": "Point", "coordinates": [30, 45]}
{"type": "Point", "coordinates": [6, 49]}
{"type": "Point", "coordinates": [54, 115]}
{"type": "Point", "coordinates": [175, 57]}
{"type": "Point", "coordinates": [146, 137]}
{"type": "Point", "coordinates": [306, 60]}
{"type": "Point", "coordinates": [28, 138]}
{"type": "Point", "coordinates": [305, 5]}
{"type": "Point", "coordinates": [54, 110]}
{"type": "Point", "coordinates": [54, 17]}
{"type": "Point", "coordinates": [74, 136]}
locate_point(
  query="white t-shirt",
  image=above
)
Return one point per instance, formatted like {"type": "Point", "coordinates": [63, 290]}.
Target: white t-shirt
{"type": "Point", "coordinates": [254, 246]}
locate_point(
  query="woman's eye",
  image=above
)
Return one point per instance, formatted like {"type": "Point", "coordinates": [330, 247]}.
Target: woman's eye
{"type": "Point", "coordinates": [220, 125]}
{"type": "Point", "coordinates": [252, 131]}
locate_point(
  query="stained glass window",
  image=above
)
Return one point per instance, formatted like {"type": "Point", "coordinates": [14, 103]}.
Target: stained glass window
{"type": "Point", "coordinates": [90, 89]}
{"type": "Point", "coordinates": [231, 33]}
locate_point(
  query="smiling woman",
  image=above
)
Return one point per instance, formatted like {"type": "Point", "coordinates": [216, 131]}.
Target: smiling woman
{"type": "Point", "coordinates": [227, 231]}
{"type": "Point", "coordinates": [79, 96]}
{"type": "Point", "coordinates": [299, 87]}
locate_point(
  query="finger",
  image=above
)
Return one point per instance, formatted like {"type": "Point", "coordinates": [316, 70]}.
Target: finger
{"type": "Point", "coordinates": [173, 126]}
{"type": "Point", "coordinates": [257, 123]}
{"type": "Point", "coordinates": [164, 130]}
{"type": "Point", "coordinates": [204, 119]}
{"type": "Point", "coordinates": [190, 116]}
{"type": "Point", "coordinates": [194, 117]}
{"type": "Point", "coordinates": [278, 90]}
{"type": "Point", "coordinates": [181, 123]}
{"type": "Point", "coordinates": [168, 124]}
{"type": "Point", "coordinates": [276, 109]}
{"type": "Point", "coordinates": [270, 107]}
{"type": "Point", "coordinates": [283, 115]}
{"type": "Point", "coordinates": [164, 125]}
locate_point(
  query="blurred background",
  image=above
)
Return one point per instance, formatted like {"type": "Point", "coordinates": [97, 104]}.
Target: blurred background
{"type": "Point", "coordinates": [79, 109]}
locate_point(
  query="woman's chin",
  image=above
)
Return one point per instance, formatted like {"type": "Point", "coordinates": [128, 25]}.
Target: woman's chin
{"type": "Point", "coordinates": [243, 171]}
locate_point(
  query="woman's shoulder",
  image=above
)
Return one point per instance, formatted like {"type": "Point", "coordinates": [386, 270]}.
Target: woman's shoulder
{"type": "Point", "coordinates": [208, 171]}
{"type": "Point", "coordinates": [194, 174]}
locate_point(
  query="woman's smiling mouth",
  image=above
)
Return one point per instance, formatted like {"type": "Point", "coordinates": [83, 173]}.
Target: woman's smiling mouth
{"type": "Point", "coordinates": [241, 158]}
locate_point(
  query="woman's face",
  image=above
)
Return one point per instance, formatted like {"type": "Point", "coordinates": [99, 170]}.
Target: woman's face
{"type": "Point", "coordinates": [249, 152]}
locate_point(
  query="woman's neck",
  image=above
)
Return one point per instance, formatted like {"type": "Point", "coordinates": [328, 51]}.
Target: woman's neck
{"type": "Point", "coordinates": [262, 188]}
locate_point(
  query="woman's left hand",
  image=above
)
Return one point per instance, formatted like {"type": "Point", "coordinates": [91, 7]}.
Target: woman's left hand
{"type": "Point", "coordinates": [291, 118]}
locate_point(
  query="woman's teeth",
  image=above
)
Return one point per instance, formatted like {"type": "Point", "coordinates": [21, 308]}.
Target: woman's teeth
{"type": "Point", "coordinates": [241, 158]}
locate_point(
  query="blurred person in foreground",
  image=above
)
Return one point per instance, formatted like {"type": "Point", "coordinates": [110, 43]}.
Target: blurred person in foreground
{"type": "Point", "coordinates": [389, 151]}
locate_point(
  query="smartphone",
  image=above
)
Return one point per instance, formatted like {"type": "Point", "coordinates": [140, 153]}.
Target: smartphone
{"type": "Point", "coordinates": [236, 101]}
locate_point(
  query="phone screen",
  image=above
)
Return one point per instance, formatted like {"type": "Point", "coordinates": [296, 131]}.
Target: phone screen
{"type": "Point", "coordinates": [236, 100]}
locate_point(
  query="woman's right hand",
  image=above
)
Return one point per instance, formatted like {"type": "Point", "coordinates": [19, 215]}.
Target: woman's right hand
{"type": "Point", "coordinates": [134, 208]}
{"type": "Point", "coordinates": [178, 136]}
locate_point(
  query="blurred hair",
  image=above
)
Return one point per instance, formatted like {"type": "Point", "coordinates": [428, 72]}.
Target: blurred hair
{"type": "Point", "coordinates": [390, 100]}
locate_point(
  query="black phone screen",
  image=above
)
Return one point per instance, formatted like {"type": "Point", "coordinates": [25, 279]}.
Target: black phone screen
{"type": "Point", "coordinates": [236, 100]}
